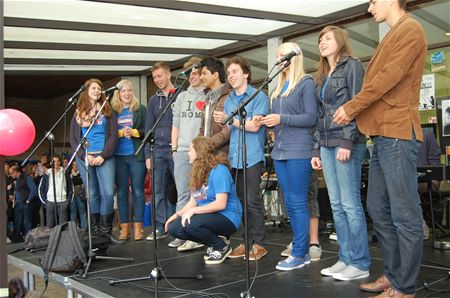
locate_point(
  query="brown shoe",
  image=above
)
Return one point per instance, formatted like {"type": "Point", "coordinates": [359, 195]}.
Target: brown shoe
{"type": "Point", "coordinates": [392, 293]}
{"type": "Point", "coordinates": [124, 231]}
{"type": "Point", "coordinates": [238, 252]}
{"type": "Point", "coordinates": [138, 232]}
{"type": "Point", "coordinates": [257, 252]}
{"type": "Point", "coordinates": [382, 283]}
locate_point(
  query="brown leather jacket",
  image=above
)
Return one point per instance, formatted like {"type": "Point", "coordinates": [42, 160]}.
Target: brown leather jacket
{"type": "Point", "coordinates": [388, 102]}
{"type": "Point", "coordinates": [220, 139]}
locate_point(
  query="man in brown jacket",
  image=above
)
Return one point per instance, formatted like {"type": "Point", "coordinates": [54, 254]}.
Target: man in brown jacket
{"type": "Point", "coordinates": [213, 78]}
{"type": "Point", "coordinates": [386, 109]}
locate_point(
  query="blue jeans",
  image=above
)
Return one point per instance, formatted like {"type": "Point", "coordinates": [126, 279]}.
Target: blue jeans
{"type": "Point", "coordinates": [101, 185]}
{"type": "Point", "coordinates": [182, 169]}
{"type": "Point", "coordinates": [205, 229]}
{"type": "Point", "coordinates": [394, 205]}
{"type": "Point", "coordinates": [22, 219]}
{"type": "Point", "coordinates": [163, 161]}
{"type": "Point", "coordinates": [344, 184]}
{"type": "Point", "coordinates": [129, 168]}
{"type": "Point", "coordinates": [78, 207]}
{"type": "Point", "coordinates": [293, 178]}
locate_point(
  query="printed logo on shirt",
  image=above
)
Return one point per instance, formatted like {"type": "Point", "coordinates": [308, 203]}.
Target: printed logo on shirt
{"type": "Point", "coordinates": [125, 120]}
{"type": "Point", "coordinates": [193, 114]}
{"type": "Point", "coordinates": [100, 120]}
{"type": "Point", "coordinates": [200, 104]}
{"type": "Point", "coordinates": [200, 194]}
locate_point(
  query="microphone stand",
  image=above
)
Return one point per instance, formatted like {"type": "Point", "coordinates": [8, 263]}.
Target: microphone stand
{"type": "Point", "coordinates": [51, 138]}
{"type": "Point", "coordinates": [155, 273]}
{"type": "Point", "coordinates": [49, 135]}
{"type": "Point", "coordinates": [240, 110]}
{"type": "Point", "coordinates": [84, 142]}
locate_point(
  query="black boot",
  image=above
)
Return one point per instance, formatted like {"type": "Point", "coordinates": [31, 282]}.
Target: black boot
{"type": "Point", "coordinates": [95, 224]}
{"type": "Point", "coordinates": [106, 228]}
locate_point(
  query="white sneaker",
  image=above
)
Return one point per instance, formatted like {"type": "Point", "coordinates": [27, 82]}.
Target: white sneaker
{"type": "Point", "coordinates": [315, 252]}
{"type": "Point", "coordinates": [351, 273]}
{"type": "Point", "coordinates": [176, 242]}
{"type": "Point", "coordinates": [159, 235]}
{"type": "Point", "coordinates": [336, 268]}
{"type": "Point", "coordinates": [8, 241]}
{"type": "Point", "coordinates": [333, 236]}
{"type": "Point", "coordinates": [189, 245]}
{"type": "Point", "coordinates": [288, 251]}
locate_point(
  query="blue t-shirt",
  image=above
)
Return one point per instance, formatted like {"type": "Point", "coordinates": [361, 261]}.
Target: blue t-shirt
{"type": "Point", "coordinates": [220, 181]}
{"type": "Point", "coordinates": [124, 146]}
{"type": "Point", "coordinates": [96, 136]}
{"type": "Point", "coordinates": [255, 140]}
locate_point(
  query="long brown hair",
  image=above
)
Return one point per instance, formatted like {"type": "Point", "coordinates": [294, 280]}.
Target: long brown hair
{"type": "Point", "coordinates": [205, 161]}
{"type": "Point", "coordinates": [343, 50]}
{"type": "Point", "coordinates": [84, 104]}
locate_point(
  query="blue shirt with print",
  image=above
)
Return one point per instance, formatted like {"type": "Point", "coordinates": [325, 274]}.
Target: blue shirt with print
{"type": "Point", "coordinates": [124, 146]}
{"type": "Point", "coordinates": [96, 136]}
{"type": "Point", "coordinates": [255, 140]}
{"type": "Point", "coordinates": [220, 181]}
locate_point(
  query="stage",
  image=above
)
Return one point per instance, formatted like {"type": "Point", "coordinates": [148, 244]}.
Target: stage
{"type": "Point", "coordinates": [227, 279]}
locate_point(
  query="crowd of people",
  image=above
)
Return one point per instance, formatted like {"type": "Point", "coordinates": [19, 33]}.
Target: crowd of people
{"type": "Point", "coordinates": [318, 122]}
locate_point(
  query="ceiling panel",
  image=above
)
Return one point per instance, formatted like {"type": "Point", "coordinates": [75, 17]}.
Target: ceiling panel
{"type": "Point", "coordinates": [299, 7]}
{"type": "Point", "coordinates": [128, 36]}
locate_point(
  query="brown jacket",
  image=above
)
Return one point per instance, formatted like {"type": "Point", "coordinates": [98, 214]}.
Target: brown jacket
{"type": "Point", "coordinates": [220, 139]}
{"type": "Point", "coordinates": [388, 103]}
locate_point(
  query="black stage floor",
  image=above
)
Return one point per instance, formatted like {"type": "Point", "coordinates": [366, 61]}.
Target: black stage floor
{"type": "Point", "coordinates": [228, 279]}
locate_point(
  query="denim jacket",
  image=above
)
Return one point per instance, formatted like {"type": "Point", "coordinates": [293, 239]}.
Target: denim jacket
{"type": "Point", "coordinates": [344, 83]}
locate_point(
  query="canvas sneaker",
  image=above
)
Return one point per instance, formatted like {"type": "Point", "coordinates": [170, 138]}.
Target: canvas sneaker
{"type": "Point", "coordinates": [189, 245]}
{"type": "Point", "coordinates": [336, 268]}
{"type": "Point", "coordinates": [288, 251]}
{"type": "Point", "coordinates": [176, 242]}
{"type": "Point", "coordinates": [159, 235]}
{"type": "Point", "coordinates": [351, 273]}
{"type": "Point", "coordinates": [292, 263]}
{"type": "Point", "coordinates": [218, 256]}
{"type": "Point", "coordinates": [315, 252]}
{"type": "Point", "coordinates": [210, 249]}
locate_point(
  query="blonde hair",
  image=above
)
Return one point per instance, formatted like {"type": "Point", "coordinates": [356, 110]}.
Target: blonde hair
{"type": "Point", "coordinates": [116, 103]}
{"type": "Point", "coordinates": [295, 72]}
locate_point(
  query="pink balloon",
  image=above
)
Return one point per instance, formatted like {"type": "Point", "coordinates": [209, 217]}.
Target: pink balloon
{"type": "Point", "coordinates": [17, 132]}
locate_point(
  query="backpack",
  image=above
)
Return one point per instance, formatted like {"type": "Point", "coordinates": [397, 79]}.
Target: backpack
{"type": "Point", "coordinates": [37, 239]}
{"type": "Point", "coordinates": [65, 251]}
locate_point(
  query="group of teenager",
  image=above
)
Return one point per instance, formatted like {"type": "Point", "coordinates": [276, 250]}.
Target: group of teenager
{"type": "Point", "coordinates": [318, 122]}
{"type": "Point", "coordinates": [34, 199]}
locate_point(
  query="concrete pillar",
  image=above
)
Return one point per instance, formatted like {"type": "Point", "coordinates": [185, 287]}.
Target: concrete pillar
{"type": "Point", "coordinates": [272, 45]}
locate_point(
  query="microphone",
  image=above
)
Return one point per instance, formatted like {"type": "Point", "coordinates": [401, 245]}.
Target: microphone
{"type": "Point", "coordinates": [112, 89]}
{"type": "Point", "coordinates": [75, 96]}
{"type": "Point", "coordinates": [188, 70]}
{"type": "Point", "coordinates": [288, 56]}
{"type": "Point", "coordinates": [171, 93]}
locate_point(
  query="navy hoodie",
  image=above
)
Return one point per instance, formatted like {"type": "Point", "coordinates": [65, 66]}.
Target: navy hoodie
{"type": "Point", "coordinates": [163, 131]}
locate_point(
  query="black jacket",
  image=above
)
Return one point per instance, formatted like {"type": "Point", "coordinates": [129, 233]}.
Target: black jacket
{"type": "Point", "coordinates": [345, 82]}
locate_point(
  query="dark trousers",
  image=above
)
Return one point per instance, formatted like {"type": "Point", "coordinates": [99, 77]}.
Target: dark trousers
{"type": "Point", "coordinates": [22, 218]}
{"type": "Point", "coordinates": [62, 210]}
{"type": "Point", "coordinates": [255, 207]}
{"type": "Point", "coordinates": [205, 229]}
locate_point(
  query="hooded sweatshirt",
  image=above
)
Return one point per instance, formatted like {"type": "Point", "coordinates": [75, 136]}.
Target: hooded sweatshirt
{"type": "Point", "coordinates": [187, 115]}
{"type": "Point", "coordinates": [163, 131]}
